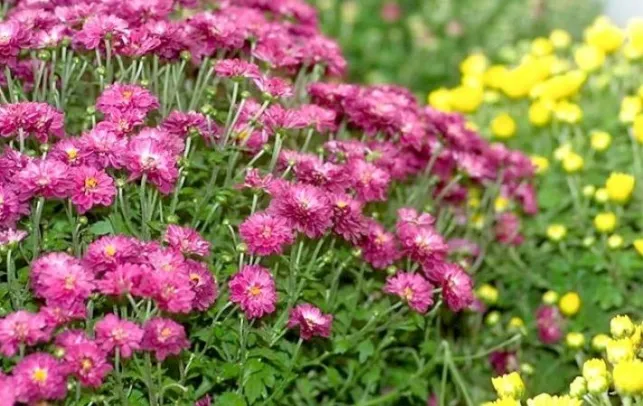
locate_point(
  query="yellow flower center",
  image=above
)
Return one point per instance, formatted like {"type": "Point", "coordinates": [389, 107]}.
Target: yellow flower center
{"type": "Point", "coordinates": [72, 154]}
{"type": "Point", "coordinates": [165, 333]}
{"type": "Point", "coordinates": [86, 364]}
{"type": "Point", "coordinates": [110, 250]}
{"type": "Point", "coordinates": [70, 282]}
{"type": "Point", "coordinates": [127, 94]}
{"type": "Point", "coordinates": [254, 290]}
{"type": "Point", "coordinates": [91, 183]}
{"type": "Point", "coordinates": [39, 375]}
{"type": "Point", "coordinates": [408, 294]}
{"type": "Point", "coordinates": [266, 232]}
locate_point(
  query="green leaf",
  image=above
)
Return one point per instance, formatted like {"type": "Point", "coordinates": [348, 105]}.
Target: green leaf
{"type": "Point", "coordinates": [230, 370]}
{"type": "Point", "coordinates": [366, 349]}
{"type": "Point", "coordinates": [342, 345]}
{"type": "Point", "coordinates": [254, 387]}
{"type": "Point", "coordinates": [230, 399]}
{"type": "Point", "coordinates": [102, 227]}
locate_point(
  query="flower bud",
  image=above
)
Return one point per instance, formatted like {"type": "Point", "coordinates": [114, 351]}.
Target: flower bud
{"type": "Point", "coordinates": [619, 350]}
{"type": "Point", "coordinates": [550, 297]}
{"type": "Point", "coordinates": [120, 183]}
{"type": "Point", "coordinates": [509, 386]}
{"type": "Point", "coordinates": [245, 94]}
{"type": "Point", "coordinates": [527, 369]}
{"type": "Point", "coordinates": [44, 147]}
{"type": "Point", "coordinates": [186, 56]}
{"type": "Point", "coordinates": [492, 318]}
{"type": "Point", "coordinates": [172, 219]}
{"type": "Point", "coordinates": [599, 342]}
{"type": "Point", "coordinates": [575, 340]}
{"type": "Point", "coordinates": [598, 385]}
{"type": "Point", "coordinates": [44, 55]}
{"type": "Point", "coordinates": [488, 294]}
{"type": "Point", "coordinates": [242, 247]}
{"type": "Point", "coordinates": [570, 304]}
{"type": "Point", "coordinates": [578, 387]}
{"type": "Point", "coordinates": [83, 220]}
{"type": "Point", "coordinates": [621, 326]}
{"type": "Point", "coordinates": [100, 71]}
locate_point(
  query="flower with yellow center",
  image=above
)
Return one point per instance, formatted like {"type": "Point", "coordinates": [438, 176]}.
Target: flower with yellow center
{"type": "Point", "coordinates": [638, 245]}
{"type": "Point", "coordinates": [440, 99]}
{"type": "Point", "coordinates": [589, 190]}
{"type": "Point", "coordinates": [628, 377]}
{"type": "Point", "coordinates": [466, 99]}
{"type": "Point", "coordinates": [599, 342]}
{"type": "Point", "coordinates": [503, 126]}
{"type": "Point", "coordinates": [573, 163]}
{"type": "Point", "coordinates": [621, 326]}
{"type": "Point", "coordinates": [254, 290]}
{"type": "Point", "coordinates": [474, 64]}
{"type": "Point", "coordinates": [539, 114]}
{"type": "Point", "coordinates": [541, 46]}
{"type": "Point", "coordinates": [110, 250]}
{"type": "Point", "coordinates": [569, 304]}
{"type": "Point", "coordinates": [560, 39]}
{"type": "Point", "coordinates": [615, 242]}
{"type": "Point", "coordinates": [562, 151]}
{"type": "Point", "coordinates": [540, 163]}
{"type": "Point", "coordinates": [605, 36]}
{"type": "Point", "coordinates": [575, 340]}
{"type": "Point", "coordinates": [556, 232]}
{"type": "Point", "coordinates": [509, 386]}
{"type": "Point", "coordinates": [550, 297]}
{"type": "Point", "coordinates": [589, 58]}
{"type": "Point", "coordinates": [631, 106]}
{"type": "Point", "coordinates": [39, 375]}
{"type": "Point", "coordinates": [601, 195]}
{"type": "Point", "coordinates": [488, 294]}
{"type": "Point", "coordinates": [619, 350]}
{"type": "Point", "coordinates": [600, 140]}
{"type": "Point", "coordinates": [548, 400]}
{"type": "Point", "coordinates": [605, 222]}
{"type": "Point", "coordinates": [620, 187]}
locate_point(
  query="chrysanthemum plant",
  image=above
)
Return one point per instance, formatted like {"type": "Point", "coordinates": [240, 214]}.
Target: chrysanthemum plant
{"type": "Point", "coordinates": [188, 213]}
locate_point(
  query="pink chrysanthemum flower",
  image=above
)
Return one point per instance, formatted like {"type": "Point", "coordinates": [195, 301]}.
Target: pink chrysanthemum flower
{"type": "Point", "coordinates": [121, 123]}
{"type": "Point", "coordinates": [378, 246]}
{"type": "Point", "coordinates": [329, 176]}
{"type": "Point", "coordinates": [548, 320]}
{"type": "Point", "coordinates": [124, 279]}
{"type": "Point", "coordinates": [67, 151]}
{"type": "Point", "coordinates": [253, 289]}
{"type": "Point", "coordinates": [410, 221]}
{"type": "Point", "coordinates": [457, 288]}
{"type": "Point", "coordinates": [266, 234]}
{"type": "Point", "coordinates": [39, 120]}
{"type": "Point", "coordinates": [21, 327]}
{"type": "Point", "coordinates": [113, 333]}
{"type": "Point", "coordinates": [61, 279]}
{"type": "Point", "coordinates": [119, 98]}
{"type": "Point", "coordinates": [172, 291]}
{"type": "Point", "coordinates": [507, 229]}
{"type": "Point", "coordinates": [70, 338]}
{"type": "Point", "coordinates": [166, 260]}
{"type": "Point", "coordinates": [254, 180]}
{"type": "Point", "coordinates": [348, 220]}
{"type": "Point", "coordinates": [424, 245]}
{"type": "Point", "coordinates": [56, 316]}
{"type": "Point", "coordinates": [204, 401]}
{"type": "Point", "coordinates": [13, 38]}
{"type": "Point", "coordinates": [412, 288]}
{"type": "Point", "coordinates": [98, 28]}
{"type": "Point", "coordinates": [7, 391]}
{"type": "Point", "coordinates": [370, 182]}
{"type": "Point", "coordinates": [164, 337]}
{"type": "Point", "coordinates": [237, 69]}
{"type": "Point", "coordinates": [102, 148]}
{"type": "Point", "coordinates": [11, 236]}
{"type": "Point", "coordinates": [320, 118]}
{"type": "Point", "coordinates": [306, 207]}
{"type": "Point", "coordinates": [273, 86]}
{"type": "Point", "coordinates": [148, 157]}
{"type": "Point", "coordinates": [87, 362]}
{"type": "Point", "coordinates": [109, 251]}
{"type": "Point", "coordinates": [44, 177]}
{"type": "Point", "coordinates": [311, 321]}
{"type": "Point", "coordinates": [203, 284]}
{"type": "Point", "coordinates": [12, 206]}
{"type": "Point", "coordinates": [173, 144]}
{"type": "Point", "coordinates": [91, 187]}
{"type": "Point", "coordinates": [186, 240]}
{"type": "Point", "coordinates": [39, 377]}
{"type": "Point", "coordinates": [181, 124]}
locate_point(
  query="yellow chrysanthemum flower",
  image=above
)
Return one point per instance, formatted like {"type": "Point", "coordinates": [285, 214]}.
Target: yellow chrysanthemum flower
{"type": "Point", "coordinates": [573, 162]}
{"type": "Point", "coordinates": [578, 387]}
{"type": "Point", "coordinates": [560, 39]}
{"type": "Point", "coordinates": [503, 402]}
{"type": "Point", "coordinates": [615, 242]}
{"type": "Point", "coordinates": [619, 350]}
{"type": "Point", "coordinates": [541, 46]}
{"type": "Point", "coordinates": [589, 58]}
{"type": "Point", "coordinates": [474, 64]}
{"type": "Point", "coordinates": [509, 386]}
{"type": "Point", "coordinates": [621, 326]}
{"type": "Point", "coordinates": [556, 232]}
{"type": "Point", "coordinates": [605, 36]}
{"type": "Point", "coordinates": [548, 400]}
{"type": "Point", "coordinates": [570, 304]}
{"type": "Point", "coordinates": [541, 163]}
{"type": "Point", "coordinates": [550, 297]}
{"type": "Point", "coordinates": [620, 187]}
{"type": "Point", "coordinates": [503, 126]}
{"type": "Point", "coordinates": [605, 222]}
{"type": "Point", "coordinates": [575, 340]}
{"type": "Point", "coordinates": [631, 106]}
{"type": "Point", "coordinates": [594, 368]}
{"type": "Point", "coordinates": [599, 342]}
{"type": "Point", "coordinates": [466, 99]}
{"type": "Point", "coordinates": [638, 245]}
{"type": "Point", "coordinates": [628, 377]}
{"type": "Point", "coordinates": [539, 114]}
{"type": "Point", "coordinates": [440, 99]}
{"type": "Point", "coordinates": [488, 294]}
{"type": "Point", "coordinates": [600, 140]}
{"type": "Point", "coordinates": [494, 76]}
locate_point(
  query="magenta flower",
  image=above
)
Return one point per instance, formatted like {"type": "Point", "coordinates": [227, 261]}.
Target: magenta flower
{"type": "Point", "coordinates": [7, 390]}
{"type": "Point", "coordinates": [173, 144]}
{"type": "Point", "coordinates": [266, 234]}
{"type": "Point", "coordinates": [98, 28]}
{"type": "Point", "coordinates": [306, 207]}
{"type": "Point", "coordinates": [164, 337]}
{"type": "Point", "coordinates": [549, 323]}
{"type": "Point", "coordinates": [39, 377]}
{"type": "Point", "coordinates": [319, 118]}
{"type": "Point", "coordinates": [253, 289]}
{"type": "Point", "coordinates": [273, 87]}
{"type": "Point", "coordinates": [102, 148]}
{"type": "Point", "coordinates": [14, 36]}
{"type": "Point", "coordinates": [148, 157]}
{"type": "Point", "coordinates": [378, 246]}
{"type": "Point", "coordinates": [21, 327]}
{"type": "Point", "coordinates": [11, 236]}
{"type": "Point", "coordinates": [329, 176]}
{"type": "Point", "coordinates": [124, 279]}
{"type": "Point", "coordinates": [113, 333]}
{"type": "Point", "coordinates": [508, 229]}
{"type": "Point", "coordinates": [87, 362]}
{"type": "Point", "coordinates": [186, 240]}
{"type": "Point", "coordinates": [204, 401]}
{"type": "Point", "coordinates": [12, 207]}
{"type": "Point", "coordinates": [61, 279]}
{"type": "Point", "coordinates": [107, 252]}
{"type": "Point", "coordinates": [180, 124]}
{"type": "Point", "coordinates": [56, 315]}
{"type": "Point", "coordinates": [91, 187]}
{"type": "Point", "coordinates": [172, 291]}
{"type": "Point", "coordinates": [311, 321]}
{"type": "Point", "coordinates": [503, 362]}
{"type": "Point", "coordinates": [120, 98]}
{"type": "Point", "coordinates": [236, 69]}
{"type": "Point", "coordinates": [67, 151]}
{"type": "Point", "coordinates": [412, 288]}
{"type": "Point", "coordinates": [203, 284]}
{"type": "Point", "coordinates": [30, 118]}
{"type": "Point", "coordinates": [370, 182]}
{"type": "Point", "coordinates": [44, 177]}
{"type": "Point", "coordinates": [457, 288]}
{"type": "Point", "coordinates": [424, 245]}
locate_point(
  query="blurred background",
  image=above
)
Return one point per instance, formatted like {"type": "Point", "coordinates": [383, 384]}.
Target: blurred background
{"type": "Point", "coordinates": [419, 43]}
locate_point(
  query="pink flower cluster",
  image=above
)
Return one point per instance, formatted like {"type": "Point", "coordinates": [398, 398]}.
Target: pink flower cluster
{"type": "Point", "coordinates": [550, 324]}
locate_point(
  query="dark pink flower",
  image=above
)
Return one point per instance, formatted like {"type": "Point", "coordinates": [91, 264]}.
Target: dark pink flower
{"type": "Point", "coordinates": [113, 333]}
{"type": "Point", "coordinates": [370, 182]}
{"type": "Point", "coordinates": [61, 279]}
{"type": "Point", "coordinates": [120, 98]}
{"type": "Point", "coordinates": [56, 315]}
{"type": "Point", "coordinates": [109, 251]}
{"type": "Point", "coordinates": [503, 362]}
{"type": "Point", "coordinates": [423, 245]}
{"type": "Point", "coordinates": [149, 157]}
{"type": "Point", "coordinates": [412, 288]}
{"type": "Point", "coordinates": [186, 240]}
{"type": "Point", "coordinates": [14, 36]}
{"type": "Point", "coordinates": [378, 246]}
{"type": "Point", "coordinates": [39, 377]}
{"type": "Point", "coordinates": [319, 118]}
{"type": "Point", "coordinates": [100, 28]}
{"type": "Point", "coordinates": [7, 391]}
{"type": "Point", "coordinates": [508, 229]}
{"type": "Point", "coordinates": [348, 220]}
{"type": "Point", "coordinates": [25, 119]}
{"type": "Point", "coordinates": [173, 291]}
{"type": "Point", "coordinates": [44, 177]}
{"type": "Point", "coordinates": [123, 279]}
{"type": "Point", "coordinates": [237, 69]}
{"type": "Point", "coordinates": [266, 234]}
{"type": "Point", "coordinates": [171, 143]}
{"type": "Point", "coordinates": [164, 337]}
{"type": "Point", "coordinates": [91, 187]}
{"type": "Point", "coordinates": [327, 175]}
{"type": "Point", "coordinates": [253, 289]}
{"type": "Point", "coordinates": [306, 207]}
{"type": "Point", "coordinates": [457, 288]}
{"type": "Point", "coordinates": [139, 42]}
{"type": "Point", "coordinates": [21, 327]}
{"type": "Point", "coordinates": [463, 247]}
{"type": "Point", "coordinates": [67, 151]}
{"type": "Point", "coordinates": [311, 321]}
{"type": "Point", "coordinates": [88, 363]}
{"type": "Point", "coordinates": [203, 284]}
{"type": "Point", "coordinates": [273, 87]}
{"type": "Point", "coordinates": [102, 148]}
{"type": "Point", "coordinates": [254, 180]}
{"type": "Point", "coordinates": [549, 323]}
{"type": "Point", "coordinates": [204, 401]}
{"type": "Point", "coordinates": [180, 124]}
{"type": "Point", "coordinates": [12, 206]}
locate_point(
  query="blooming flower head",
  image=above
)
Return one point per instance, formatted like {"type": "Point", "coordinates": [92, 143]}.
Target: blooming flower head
{"type": "Point", "coordinates": [39, 377]}
{"type": "Point", "coordinates": [146, 156]}
{"type": "Point", "coordinates": [457, 288]}
{"type": "Point", "coordinates": [61, 279]}
{"type": "Point", "coordinates": [378, 246]}
{"type": "Point", "coordinates": [628, 377]}
{"type": "Point", "coordinates": [503, 362]}
{"type": "Point", "coordinates": [509, 386]}
{"type": "Point", "coordinates": [253, 289]}
{"type": "Point", "coordinates": [237, 69]}
{"type": "Point", "coordinates": [172, 291]}
{"type": "Point", "coordinates": [348, 220]}
{"type": "Point", "coordinates": [14, 36]}
{"type": "Point", "coordinates": [549, 324]}
{"type": "Point", "coordinates": [620, 187]}
{"type": "Point", "coordinates": [113, 333]}
{"type": "Point", "coordinates": [181, 125]}
{"type": "Point", "coordinates": [87, 362]}
{"type": "Point", "coordinates": [119, 98]}
{"type": "Point", "coordinates": [30, 118]}
{"type": "Point", "coordinates": [306, 207]}
{"type": "Point", "coordinates": [186, 240]}
{"type": "Point", "coordinates": [370, 182]}
{"type": "Point", "coordinates": [44, 177]}
{"type": "Point", "coordinates": [102, 148]}
{"type": "Point", "coordinates": [548, 400]}
{"type": "Point", "coordinates": [7, 391]}
{"type": "Point", "coordinates": [109, 251]}
{"type": "Point", "coordinates": [67, 151]}
{"type": "Point", "coordinates": [164, 337]}
{"type": "Point", "coordinates": [424, 245]}
{"type": "Point", "coordinates": [98, 28]}
{"type": "Point", "coordinates": [91, 187]}
{"type": "Point", "coordinates": [12, 207]}
{"type": "Point", "coordinates": [311, 321]}
{"type": "Point", "coordinates": [123, 279]}
{"type": "Point", "coordinates": [56, 315]}
{"type": "Point", "coordinates": [412, 288]}
{"type": "Point", "coordinates": [266, 234]}
{"type": "Point", "coordinates": [274, 87]}
{"type": "Point", "coordinates": [203, 284]}
{"type": "Point", "coordinates": [21, 327]}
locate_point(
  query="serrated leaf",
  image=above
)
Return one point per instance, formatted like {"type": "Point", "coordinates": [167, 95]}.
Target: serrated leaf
{"type": "Point", "coordinates": [102, 227]}
{"type": "Point", "coordinates": [230, 399]}
{"type": "Point", "coordinates": [253, 387]}
{"type": "Point", "coordinates": [341, 346]}
{"type": "Point", "coordinates": [365, 349]}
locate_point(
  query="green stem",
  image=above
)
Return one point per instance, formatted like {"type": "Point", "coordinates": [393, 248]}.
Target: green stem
{"type": "Point", "coordinates": [119, 378]}
{"type": "Point", "coordinates": [145, 231]}
{"type": "Point", "coordinates": [151, 387]}
{"type": "Point", "coordinates": [35, 223]}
